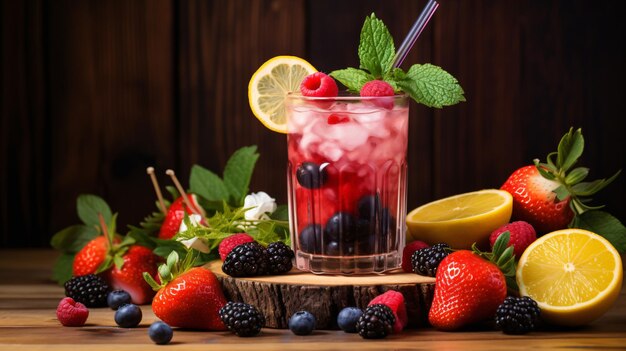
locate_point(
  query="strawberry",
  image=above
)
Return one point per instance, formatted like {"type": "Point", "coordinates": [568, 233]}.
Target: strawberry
{"type": "Point", "coordinates": [229, 243]}
{"type": "Point", "coordinates": [395, 301]}
{"type": "Point", "coordinates": [91, 256]}
{"type": "Point", "coordinates": [187, 297]}
{"type": "Point", "coordinates": [548, 195]}
{"type": "Point", "coordinates": [468, 289]}
{"type": "Point", "coordinates": [408, 251]}
{"type": "Point", "coordinates": [176, 214]}
{"type": "Point", "coordinates": [129, 277]}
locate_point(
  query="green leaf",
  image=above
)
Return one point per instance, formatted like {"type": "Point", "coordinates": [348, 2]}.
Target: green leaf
{"type": "Point", "coordinates": [376, 48]}
{"type": "Point", "coordinates": [73, 238]}
{"type": "Point", "coordinates": [207, 184]}
{"type": "Point", "coordinates": [393, 77]}
{"type": "Point", "coordinates": [153, 284]}
{"type": "Point", "coordinates": [62, 269]}
{"type": "Point", "coordinates": [577, 175]}
{"type": "Point", "coordinates": [105, 265]}
{"type": "Point", "coordinates": [432, 86]}
{"type": "Point", "coordinates": [544, 171]}
{"type": "Point", "coordinates": [238, 172]}
{"type": "Point", "coordinates": [352, 78]}
{"type": "Point", "coordinates": [570, 149]}
{"type": "Point", "coordinates": [119, 262]}
{"type": "Point", "coordinates": [89, 206]}
{"type": "Point", "coordinates": [501, 243]}
{"type": "Point", "coordinates": [281, 213]}
{"type": "Point", "coordinates": [165, 247]}
{"type": "Point", "coordinates": [590, 188]}
{"type": "Point", "coordinates": [561, 192]}
{"type": "Point", "coordinates": [173, 192]}
{"type": "Point", "coordinates": [605, 225]}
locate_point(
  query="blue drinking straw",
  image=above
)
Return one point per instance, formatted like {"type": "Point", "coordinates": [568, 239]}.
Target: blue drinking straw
{"type": "Point", "coordinates": [415, 32]}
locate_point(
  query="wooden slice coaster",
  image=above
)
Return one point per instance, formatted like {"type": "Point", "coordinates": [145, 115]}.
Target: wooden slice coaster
{"type": "Point", "coordinates": [279, 296]}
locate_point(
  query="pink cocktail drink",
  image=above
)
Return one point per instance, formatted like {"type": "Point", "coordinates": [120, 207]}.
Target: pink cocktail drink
{"type": "Point", "coordinates": [347, 182]}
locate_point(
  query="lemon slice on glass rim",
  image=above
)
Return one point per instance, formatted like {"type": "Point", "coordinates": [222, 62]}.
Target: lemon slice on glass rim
{"type": "Point", "coordinates": [574, 275]}
{"type": "Point", "coordinates": [269, 86]}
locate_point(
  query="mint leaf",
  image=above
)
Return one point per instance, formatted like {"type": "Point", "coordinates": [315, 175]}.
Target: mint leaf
{"type": "Point", "coordinates": [393, 77]}
{"type": "Point", "coordinates": [207, 184]}
{"type": "Point", "coordinates": [62, 269]}
{"type": "Point", "coordinates": [570, 149]}
{"type": "Point", "coordinates": [281, 213]}
{"type": "Point", "coordinates": [352, 78]}
{"type": "Point", "coordinates": [605, 225]}
{"type": "Point", "coordinates": [432, 86]}
{"type": "Point", "coordinates": [89, 206]}
{"type": "Point", "coordinates": [238, 172]}
{"type": "Point", "coordinates": [73, 238]}
{"type": "Point", "coordinates": [376, 48]}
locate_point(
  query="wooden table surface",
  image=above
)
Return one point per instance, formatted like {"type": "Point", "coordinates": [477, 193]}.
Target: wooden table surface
{"type": "Point", "coordinates": [28, 301]}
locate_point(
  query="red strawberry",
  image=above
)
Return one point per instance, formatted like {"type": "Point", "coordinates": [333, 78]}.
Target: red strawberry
{"type": "Point", "coordinates": [176, 214]}
{"type": "Point", "coordinates": [408, 251]}
{"type": "Point", "coordinates": [137, 259]}
{"type": "Point", "coordinates": [229, 243]}
{"type": "Point", "coordinates": [468, 289]}
{"type": "Point", "coordinates": [535, 202]}
{"type": "Point", "coordinates": [91, 256]}
{"type": "Point", "coordinates": [522, 235]}
{"type": "Point", "coordinates": [395, 301]}
{"type": "Point", "coordinates": [191, 300]}
{"type": "Point", "coordinates": [551, 196]}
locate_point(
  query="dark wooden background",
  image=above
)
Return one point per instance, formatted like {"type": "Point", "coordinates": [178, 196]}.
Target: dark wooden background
{"type": "Point", "coordinates": [95, 91]}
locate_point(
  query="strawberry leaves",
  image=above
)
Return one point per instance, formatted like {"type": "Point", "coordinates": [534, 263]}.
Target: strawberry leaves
{"type": "Point", "coordinates": [503, 256]}
{"type": "Point", "coordinates": [573, 186]}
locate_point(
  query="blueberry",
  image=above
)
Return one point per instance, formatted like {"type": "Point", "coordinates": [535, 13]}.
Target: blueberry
{"type": "Point", "coordinates": [117, 298]}
{"type": "Point", "coordinates": [160, 332]}
{"type": "Point", "coordinates": [341, 227]}
{"type": "Point", "coordinates": [311, 175]}
{"type": "Point", "coordinates": [310, 238]}
{"type": "Point", "coordinates": [128, 316]}
{"type": "Point", "coordinates": [387, 222]}
{"type": "Point", "coordinates": [347, 319]}
{"type": "Point", "coordinates": [333, 248]}
{"type": "Point", "coordinates": [368, 206]}
{"type": "Point", "coordinates": [302, 323]}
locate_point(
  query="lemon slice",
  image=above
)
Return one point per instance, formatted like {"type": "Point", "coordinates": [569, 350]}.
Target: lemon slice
{"type": "Point", "coordinates": [573, 274]}
{"type": "Point", "coordinates": [461, 220]}
{"type": "Point", "coordinates": [269, 86]}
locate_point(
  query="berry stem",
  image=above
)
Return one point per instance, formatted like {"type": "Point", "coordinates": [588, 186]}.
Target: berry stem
{"type": "Point", "coordinates": [157, 189]}
{"type": "Point", "coordinates": [182, 192]}
{"type": "Point", "coordinates": [105, 230]}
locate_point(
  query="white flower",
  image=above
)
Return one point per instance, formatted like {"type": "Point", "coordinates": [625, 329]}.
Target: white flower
{"type": "Point", "coordinates": [195, 219]}
{"type": "Point", "coordinates": [259, 204]}
{"type": "Point", "coordinates": [194, 243]}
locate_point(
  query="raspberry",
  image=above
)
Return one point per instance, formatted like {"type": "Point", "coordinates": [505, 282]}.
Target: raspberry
{"type": "Point", "coordinates": [408, 252]}
{"type": "Point", "coordinates": [319, 84]}
{"type": "Point", "coordinates": [377, 88]}
{"type": "Point", "coordinates": [338, 119]}
{"type": "Point", "coordinates": [395, 301]}
{"type": "Point", "coordinates": [231, 242]}
{"type": "Point", "coordinates": [522, 235]}
{"type": "Point", "coordinates": [71, 313]}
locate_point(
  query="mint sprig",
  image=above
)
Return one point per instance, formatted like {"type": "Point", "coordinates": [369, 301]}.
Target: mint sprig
{"type": "Point", "coordinates": [427, 84]}
{"type": "Point", "coordinates": [572, 186]}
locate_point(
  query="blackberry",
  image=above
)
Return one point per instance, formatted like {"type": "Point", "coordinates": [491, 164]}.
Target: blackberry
{"type": "Point", "coordinates": [376, 322]}
{"type": "Point", "coordinates": [90, 290]}
{"type": "Point", "coordinates": [517, 315]}
{"type": "Point", "coordinates": [280, 256]}
{"type": "Point", "coordinates": [246, 260]}
{"type": "Point", "coordinates": [242, 319]}
{"type": "Point", "coordinates": [425, 261]}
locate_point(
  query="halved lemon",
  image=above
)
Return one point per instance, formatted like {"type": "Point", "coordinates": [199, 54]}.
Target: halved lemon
{"type": "Point", "coordinates": [269, 86]}
{"type": "Point", "coordinates": [573, 274]}
{"type": "Point", "coordinates": [461, 220]}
